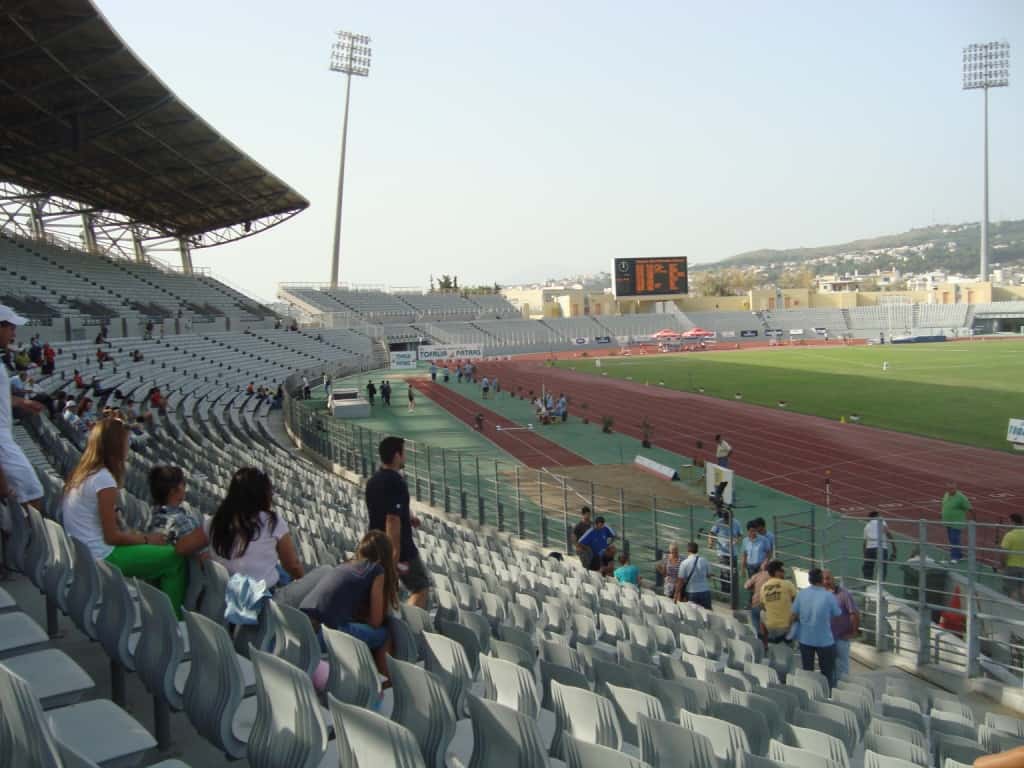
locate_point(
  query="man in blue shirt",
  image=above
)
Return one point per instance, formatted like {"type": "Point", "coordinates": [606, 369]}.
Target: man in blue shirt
{"type": "Point", "coordinates": [762, 529]}
{"type": "Point", "coordinates": [725, 534]}
{"type": "Point", "coordinates": [814, 609]}
{"type": "Point", "coordinates": [756, 550]}
{"type": "Point", "coordinates": [597, 538]}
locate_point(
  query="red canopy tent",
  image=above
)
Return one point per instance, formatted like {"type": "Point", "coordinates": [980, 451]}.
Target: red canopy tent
{"type": "Point", "coordinates": [698, 333]}
{"type": "Point", "coordinates": [667, 333]}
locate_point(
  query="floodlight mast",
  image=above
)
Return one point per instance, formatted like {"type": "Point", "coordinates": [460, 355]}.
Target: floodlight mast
{"type": "Point", "coordinates": [986, 65]}
{"type": "Point", "coordinates": [350, 55]}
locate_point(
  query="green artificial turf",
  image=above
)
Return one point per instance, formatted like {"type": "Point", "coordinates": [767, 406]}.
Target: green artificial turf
{"type": "Point", "coordinates": [963, 392]}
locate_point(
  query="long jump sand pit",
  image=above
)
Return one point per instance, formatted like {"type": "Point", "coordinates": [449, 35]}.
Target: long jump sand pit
{"type": "Point", "coordinates": [607, 488]}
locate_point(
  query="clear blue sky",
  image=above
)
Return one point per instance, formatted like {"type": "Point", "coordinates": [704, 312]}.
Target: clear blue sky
{"type": "Point", "coordinates": [514, 141]}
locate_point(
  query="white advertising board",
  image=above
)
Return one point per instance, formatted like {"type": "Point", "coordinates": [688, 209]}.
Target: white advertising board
{"type": "Point", "coordinates": [403, 359]}
{"type": "Point", "coordinates": [451, 352]}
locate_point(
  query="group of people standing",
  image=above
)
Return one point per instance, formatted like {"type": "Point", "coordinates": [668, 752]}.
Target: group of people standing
{"type": "Point", "coordinates": [385, 391]}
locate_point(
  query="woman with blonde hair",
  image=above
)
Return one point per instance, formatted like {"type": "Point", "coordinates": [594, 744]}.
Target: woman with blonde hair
{"type": "Point", "coordinates": [91, 515]}
{"type": "Point", "coordinates": [357, 596]}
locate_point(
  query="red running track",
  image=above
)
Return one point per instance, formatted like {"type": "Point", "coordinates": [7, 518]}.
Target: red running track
{"type": "Point", "coordinates": [901, 475]}
{"type": "Point", "coordinates": [530, 448]}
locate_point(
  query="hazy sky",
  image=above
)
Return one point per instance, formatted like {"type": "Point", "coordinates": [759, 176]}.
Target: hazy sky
{"type": "Point", "coordinates": [514, 141]}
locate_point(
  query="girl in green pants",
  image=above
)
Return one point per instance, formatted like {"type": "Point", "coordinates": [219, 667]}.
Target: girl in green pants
{"type": "Point", "coordinates": [90, 515]}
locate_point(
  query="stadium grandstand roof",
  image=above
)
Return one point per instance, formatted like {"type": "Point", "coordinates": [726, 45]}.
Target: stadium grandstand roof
{"type": "Point", "coordinates": [87, 122]}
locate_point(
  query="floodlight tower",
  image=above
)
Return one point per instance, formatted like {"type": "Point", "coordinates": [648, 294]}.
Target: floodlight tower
{"type": "Point", "coordinates": [350, 55]}
{"type": "Point", "coordinates": [986, 65]}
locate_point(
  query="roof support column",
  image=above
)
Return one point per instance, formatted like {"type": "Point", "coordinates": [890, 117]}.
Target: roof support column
{"type": "Point", "coordinates": [186, 255]}
{"type": "Point", "coordinates": [89, 229]}
{"type": "Point", "coordinates": [138, 247]}
{"type": "Point", "coordinates": [38, 225]}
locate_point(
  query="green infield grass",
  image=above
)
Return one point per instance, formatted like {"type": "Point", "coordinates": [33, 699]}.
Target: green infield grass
{"type": "Point", "coordinates": [959, 391]}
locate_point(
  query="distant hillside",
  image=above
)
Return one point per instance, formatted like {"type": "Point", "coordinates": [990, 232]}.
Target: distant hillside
{"type": "Point", "coordinates": [951, 247]}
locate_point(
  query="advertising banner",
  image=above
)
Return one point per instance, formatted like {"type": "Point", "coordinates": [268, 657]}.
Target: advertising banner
{"type": "Point", "coordinates": [403, 359]}
{"type": "Point", "coordinates": [451, 352]}
{"type": "Point", "coordinates": [748, 334]}
{"type": "Point", "coordinates": [1015, 431]}
{"type": "Point", "coordinates": [603, 339]}
{"type": "Point", "coordinates": [776, 332]}
{"type": "Point", "coordinates": [581, 340]}
{"type": "Point", "coordinates": [796, 331]}
{"type": "Point", "coordinates": [713, 475]}
{"type": "Point", "coordinates": [728, 334]}
{"type": "Point", "coordinates": [821, 331]}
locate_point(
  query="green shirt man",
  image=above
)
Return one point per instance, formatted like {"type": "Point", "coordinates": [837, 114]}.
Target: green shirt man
{"type": "Point", "coordinates": [955, 508]}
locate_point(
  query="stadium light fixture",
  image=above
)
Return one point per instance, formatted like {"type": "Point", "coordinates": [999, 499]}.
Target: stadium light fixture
{"type": "Point", "coordinates": [986, 65]}
{"type": "Point", "coordinates": [350, 55]}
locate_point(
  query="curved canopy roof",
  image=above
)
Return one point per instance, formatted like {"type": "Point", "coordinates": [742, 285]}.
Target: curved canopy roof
{"type": "Point", "coordinates": [83, 118]}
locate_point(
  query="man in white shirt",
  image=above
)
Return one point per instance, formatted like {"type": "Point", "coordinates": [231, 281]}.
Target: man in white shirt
{"type": "Point", "coordinates": [722, 452]}
{"type": "Point", "coordinates": [878, 541]}
{"type": "Point", "coordinates": [18, 480]}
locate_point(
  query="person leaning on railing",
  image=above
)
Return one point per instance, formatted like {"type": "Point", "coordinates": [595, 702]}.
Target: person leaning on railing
{"type": "Point", "coordinates": [1013, 558]}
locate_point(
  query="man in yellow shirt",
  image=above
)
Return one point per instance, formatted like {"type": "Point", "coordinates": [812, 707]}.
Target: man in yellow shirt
{"type": "Point", "coordinates": [777, 595]}
{"type": "Point", "coordinates": [1013, 558]}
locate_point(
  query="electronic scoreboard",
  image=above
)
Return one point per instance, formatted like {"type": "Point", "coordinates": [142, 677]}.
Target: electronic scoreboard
{"type": "Point", "coordinates": [649, 278]}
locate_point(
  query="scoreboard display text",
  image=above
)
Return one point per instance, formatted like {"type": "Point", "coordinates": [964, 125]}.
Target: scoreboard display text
{"type": "Point", "coordinates": [640, 278]}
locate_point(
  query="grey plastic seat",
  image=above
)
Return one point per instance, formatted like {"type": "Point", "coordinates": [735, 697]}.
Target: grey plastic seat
{"type": "Point", "coordinates": [214, 697]}
{"type": "Point", "coordinates": [751, 720]}
{"type": "Point", "coordinates": [99, 730]}
{"type": "Point", "coordinates": [289, 728]}
{"type": "Point", "coordinates": [196, 581]}
{"type": "Point", "coordinates": [994, 741]}
{"type": "Point", "coordinates": [550, 672]}
{"type": "Point", "coordinates": [422, 706]}
{"type": "Point", "coordinates": [55, 678]}
{"type": "Point", "coordinates": [874, 759]}
{"type": "Point", "coordinates": [630, 703]}
{"type": "Point", "coordinates": [766, 675]}
{"type": "Point", "coordinates": [562, 655]}
{"type": "Point", "coordinates": [898, 730]}
{"type": "Point", "coordinates": [480, 626]}
{"type": "Point", "coordinates": [446, 659]}
{"type": "Point", "coordinates": [675, 695]}
{"type": "Point", "coordinates": [606, 673]}
{"type": "Point", "coordinates": [295, 640]}
{"type": "Point", "coordinates": [815, 683]}
{"type": "Point", "coordinates": [748, 760]}
{"type": "Point", "coordinates": [630, 651]}
{"type": "Point", "coordinates": [160, 656]}
{"type": "Point", "coordinates": [511, 652]}
{"type": "Point", "coordinates": [19, 633]}
{"type": "Point", "coordinates": [115, 625]}
{"type": "Point", "coordinates": [72, 758]}
{"type": "Point", "coordinates": [844, 716]}
{"type": "Point", "coordinates": [826, 725]}
{"type": "Point", "coordinates": [784, 701]}
{"type": "Point", "coordinates": [215, 587]}
{"type": "Point", "coordinates": [583, 754]}
{"type": "Point", "coordinates": [585, 715]}
{"type": "Point", "coordinates": [56, 576]}
{"type": "Point", "coordinates": [368, 740]}
{"type": "Point", "coordinates": [798, 758]}
{"type": "Point", "coordinates": [404, 644]}
{"type": "Point", "coordinates": [727, 739]}
{"type": "Point", "coordinates": [952, 725]}
{"type": "Point", "coordinates": [860, 703]}
{"type": "Point", "coordinates": [1005, 723]}
{"type": "Point", "coordinates": [524, 619]}
{"type": "Point", "coordinates": [465, 637]}
{"type": "Point", "coordinates": [503, 738]}
{"type": "Point", "coordinates": [912, 718]}
{"type": "Point", "coordinates": [667, 744]}
{"type": "Point", "coordinates": [957, 748]}
{"type": "Point", "coordinates": [585, 630]}
{"type": "Point", "coordinates": [353, 677]}
{"type": "Point", "coordinates": [819, 742]}
{"type": "Point", "coordinates": [675, 669]}
{"type": "Point", "coordinates": [521, 637]}
{"type": "Point", "coordinates": [767, 708]}
{"type": "Point", "coordinates": [510, 685]}
{"type": "Point", "coordinates": [898, 748]}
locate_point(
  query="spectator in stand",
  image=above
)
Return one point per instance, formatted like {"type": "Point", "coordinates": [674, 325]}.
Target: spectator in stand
{"type": "Point", "coordinates": [278, 401]}
{"type": "Point", "coordinates": [753, 585]}
{"type": "Point", "coordinates": [627, 573]}
{"type": "Point", "coordinates": [149, 331]}
{"type": "Point", "coordinates": [35, 351]}
{"type": "Point", "coordinates": [724, 536]}
{"type": "Point", "coordinates": [137, 356]}
{"type": "Point", "coordinates": [598, 539]}
{"type": "Point", "coordinates": [307, 392]}
{"type": "Point", "coordinates": [956, 511]}
{"type": "Point", "coordinates": [91, 515]}
{"type": "Point", "coordinates": [1012, 558]}
{"type": "Point", "coordinates": [777, 596]}
{"type": "Point", "coordinates": [692, 583]}
{"type": "Point", "coordinates": [356, 597]}
{"type": "Point", "coordinates": [722, 452]}
{"type": "Point", "coordinates": [669, 569]}
{"type": "Point", "coordinates": [756, 550]}
{"type": "Point", "coordinates": [247, 536]}
{"type": "Point", "coordinates": [182, 530]}
{"type": "Point", "coordinates": [877, 542]}
{"type": "Point", "coordinates": [387, 502]}
{"type": "Point", "coordinates": [157, 400]}
{"type": "Point", "coordinates": [49, 359]}
{"type": "Point", "coordinates": [79, 381]}
{"type": "Point", "coordinates": [814, 609]}
{"type": "Point", "coordinates": [607, 561]}
{"type": "Point", "coordinates": [845, 626]}
{"type": "Point", "coordinates": [584, 525]}
{"type": "Point", "coordinates": [327, 386]}
{"type": "Point", "coordinates": [18, 480]}
{"type": "Point", "coordinates": [762, 529]}
{"type": "Point", "coordinates": [21, 360]}
{"type": "Point", "coordinates": [250, 390]}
